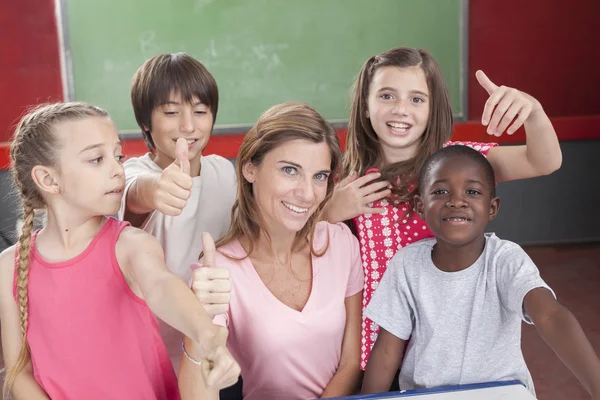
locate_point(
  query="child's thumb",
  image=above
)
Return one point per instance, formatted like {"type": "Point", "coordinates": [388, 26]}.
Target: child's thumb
{"type": "Point", "coordinates": [208, 247]}
{"type": "Point", "coordinates": [181, 153]}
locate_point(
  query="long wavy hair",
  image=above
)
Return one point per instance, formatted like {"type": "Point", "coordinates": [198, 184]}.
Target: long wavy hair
{"type": "Point", "coordinates": [277, 126]}
{"type": "Point", "coordinates": [363, 150]}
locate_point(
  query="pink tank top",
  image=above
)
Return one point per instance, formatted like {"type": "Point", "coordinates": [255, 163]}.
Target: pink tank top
{"type": "Point", "coordinates": [91, 337]}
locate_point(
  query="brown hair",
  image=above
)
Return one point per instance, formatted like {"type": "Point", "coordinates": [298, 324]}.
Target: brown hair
{"type": "Point", "coordinates": [278, 125]}
{"type": "Point", "coordinates": [165, 74]}
{"type": "Point", "coordinates": [35, 144]}
{"type": "Point", "coordinates": [362, 146]}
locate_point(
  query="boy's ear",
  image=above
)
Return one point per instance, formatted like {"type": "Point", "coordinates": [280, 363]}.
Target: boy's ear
{"type": "Point", "coordinates": [249, 171]}
{"type": "Point", "coordinates": [494, 208]}
{"type": "Point", "coordinates": [419, 206]}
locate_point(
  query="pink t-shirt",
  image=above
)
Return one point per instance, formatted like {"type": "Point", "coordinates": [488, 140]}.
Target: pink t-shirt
{"type": "Point", "coordinates": [284, 353]}
{"type": "Point", "coordinates": [91, 337]}
{"type": "Point", "coordinates": [381, 236]}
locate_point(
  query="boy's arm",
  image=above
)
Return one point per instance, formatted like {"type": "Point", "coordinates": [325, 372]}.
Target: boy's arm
{"type": "Point", "coordinates": [25, 386]}
{"type": "Point", "coordinates": [383, 363]}
{"type": "Point", "coordinates": [346, 379]}
{"type": "Point", "coordinates": [139, 198]}
{"type": "Point", "coordinates": [541, 155]}
{"type": "Point", "coordinates": [561, 331]}
{"type": "Point", "coordinates": [166, 192]}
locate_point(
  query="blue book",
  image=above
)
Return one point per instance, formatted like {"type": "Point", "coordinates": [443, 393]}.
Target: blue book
{"type": "Point", "coordinates": [513, 390]}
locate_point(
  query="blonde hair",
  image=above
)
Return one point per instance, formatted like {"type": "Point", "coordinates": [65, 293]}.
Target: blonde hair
{"type": "Point", "coordinates": [277, 126]}
{"type": "Point", "coordinates": [35, 144]}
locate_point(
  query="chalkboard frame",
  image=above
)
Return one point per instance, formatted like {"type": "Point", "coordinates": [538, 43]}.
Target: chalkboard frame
{"type": "Point", "coordinates": [68, 79]}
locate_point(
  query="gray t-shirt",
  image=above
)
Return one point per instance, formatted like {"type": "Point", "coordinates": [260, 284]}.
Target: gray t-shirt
{"type": "Point", "coordinates": [465, 326]}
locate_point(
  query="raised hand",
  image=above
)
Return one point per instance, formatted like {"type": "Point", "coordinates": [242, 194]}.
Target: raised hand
{"type": "Point", "coordinates": [211, 284]}
{"type": "Point", "coordinates": [173, 187]}
{"type": "Point", "coordinates": [504, 105]}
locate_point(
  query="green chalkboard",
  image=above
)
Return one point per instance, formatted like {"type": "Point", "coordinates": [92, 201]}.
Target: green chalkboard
{"type": "Point", "coordinates": [261, 52]}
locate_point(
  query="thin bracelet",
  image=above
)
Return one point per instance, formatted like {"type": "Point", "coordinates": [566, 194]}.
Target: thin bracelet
{"type": "Point", "coordinates": [187, 355]}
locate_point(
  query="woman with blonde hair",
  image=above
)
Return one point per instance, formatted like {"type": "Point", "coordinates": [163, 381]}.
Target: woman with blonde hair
{"type": "Point", "coordinates": [295, 311]}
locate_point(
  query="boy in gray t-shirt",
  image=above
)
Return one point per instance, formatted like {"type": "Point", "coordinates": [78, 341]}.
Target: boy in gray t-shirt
{"type": "Point", "coordinates": [461, 297]}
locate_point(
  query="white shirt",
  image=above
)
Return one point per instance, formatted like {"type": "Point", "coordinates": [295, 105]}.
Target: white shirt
{"type": "Point", "coordinates": [208, 210]}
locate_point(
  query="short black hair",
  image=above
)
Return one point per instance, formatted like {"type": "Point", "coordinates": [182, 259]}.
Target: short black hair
{"type": "Point", "coordinates": [453, 151]}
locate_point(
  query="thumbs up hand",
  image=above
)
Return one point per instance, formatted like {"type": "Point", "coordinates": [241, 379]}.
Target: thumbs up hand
{"type": "Point", "coordinates": [504, 105]}
{"type": "Point", "coordinates": [221, 370]}
{"type": "Point", "coordinates": [173, 187]}
{"type": "Point", "coordinates": [211, 284]}
{"type": "Point", "coordinates": [181, 152]}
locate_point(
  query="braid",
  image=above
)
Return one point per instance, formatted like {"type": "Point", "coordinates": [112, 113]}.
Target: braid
{"type": "Point", "coordinates": [23, 268]}
{"type": "Point", "coordinates": [34, 143]}
{"type": "Point", "coordinates": [23, 250]}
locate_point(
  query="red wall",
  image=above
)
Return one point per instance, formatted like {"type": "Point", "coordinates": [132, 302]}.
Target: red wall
{"type": "Point", "coordinates": [549, 49]}
{"type": "Point", "coordinates": [30, 67]}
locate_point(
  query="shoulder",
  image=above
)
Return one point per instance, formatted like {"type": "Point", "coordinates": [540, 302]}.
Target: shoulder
{"type": "Point", "coordinates": [215, 159]}
{"type": "Point", "coordinates": [7, 257]}
{"type": "Point", "coordinates": [219, 172]}
{"type": "Point", "coordinates": [229, 255]}
{"type": "Point", "coordinates": [339, 229]}
{"type": "Point", "coordinates": [411, 256]}
{"type": "Point", "coordinates": [7, 269]}
{"type": "Point", "coordinates": [135, 165]}
{"type": "Point", "coordinates": [419, 247]}
{"type": "Point", "coordinates": [337, 234]}
{"type": "Point", "coordinates": [133, 241]}
{"type": "Point", "coordinates": [503, 253]}
{"type": "Point", "coordinates": [501, 247]}
{"type": "Point", "coordinates": [220, 164]}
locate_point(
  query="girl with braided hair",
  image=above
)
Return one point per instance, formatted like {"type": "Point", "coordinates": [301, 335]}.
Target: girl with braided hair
{"type": "Point", "coordinates": [86, 285]}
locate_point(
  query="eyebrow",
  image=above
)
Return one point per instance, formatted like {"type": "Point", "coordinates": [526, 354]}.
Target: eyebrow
{"type": "Point", "coordinates": [475, 181]}
{"type": "Point", "coordinates": [324, 171]}
{"type": "Point", "coordinates": [176, 103]}
{"type": "Point", "coordinates": [98, 145]}
{"type": "Point", "coordinates": [446, 181]}
{"type": "Point", "coordinates": [391, 89]}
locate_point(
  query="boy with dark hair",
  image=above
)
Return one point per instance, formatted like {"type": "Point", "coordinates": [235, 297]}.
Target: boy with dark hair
{"type": "Point", "coordinates": [461, 296]}
{"type": "Point", "coordinates": [173, 192]}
